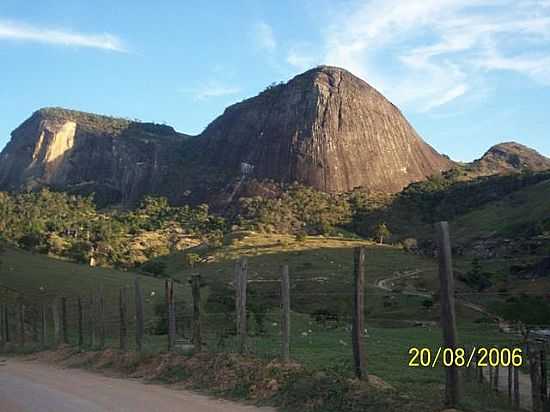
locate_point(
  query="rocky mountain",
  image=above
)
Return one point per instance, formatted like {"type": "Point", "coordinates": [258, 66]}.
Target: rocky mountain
{"type": "Point", "coordinates": [325, 128]}
{"type": "Point", "coordinates": [510, 157]}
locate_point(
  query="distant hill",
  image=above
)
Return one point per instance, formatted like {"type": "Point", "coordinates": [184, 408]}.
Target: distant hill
{"type": "Point", "coordinates": [509, 157]}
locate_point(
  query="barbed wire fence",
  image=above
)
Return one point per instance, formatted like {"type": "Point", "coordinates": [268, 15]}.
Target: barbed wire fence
{"type": "Point", "coordinates": [239, 318]}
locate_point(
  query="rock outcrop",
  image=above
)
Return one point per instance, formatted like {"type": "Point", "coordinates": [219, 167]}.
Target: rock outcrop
{"type": "Point", "coordinates": [117, 159]}
{"type": "Point", "coordinates": [510, 157]}
{"type": "Point", "coordinates": [325, 128]}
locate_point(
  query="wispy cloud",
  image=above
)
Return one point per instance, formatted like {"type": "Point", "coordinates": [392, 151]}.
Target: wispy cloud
{"type": "Point", "coordinates": [212, 89]}
{"type": "Point", "coordinates": [264, 37]}
{"type": "Point", "coordinates": [28, 33]}
{"type": "Point", "coordinates": [428, 53]}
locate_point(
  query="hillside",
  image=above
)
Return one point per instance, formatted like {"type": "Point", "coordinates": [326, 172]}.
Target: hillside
{"type": "Point", "coordinates": [325, 128]}
{"type": "Point", "coordinates": [42, 279]}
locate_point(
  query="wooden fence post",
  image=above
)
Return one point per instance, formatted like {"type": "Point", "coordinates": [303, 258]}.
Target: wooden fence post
{"type": "Point", "coordinates": [21, 323]}
{"type": "Point", "coordinates": [7, 323]}
{"type": "Point", "coordinates": [479, 369]}
{"type": "Point", "coordinates": [80, 323]}
{"type": "Point", "coordinates": [196, 291]}
{"type": "Point", "coordinates": [515, 396]}
{"type": "Point", "coordinates": [123, 310]}
{"type": "Point", "coordinates": [543, 379]}
{"type": "Point", "coordinates": [358, 325]}
{"type": "Point", "coordinates": [534, 372]}
{"type": "Point", "coordinates": [171, 309]}
{"type": "Point", "coordinates": [448, 317]}
{"type": "Point", "coordinates": [65, 336]}
{"type": "Point", "coordinates": [241, 283]}
{"type": "Point", "coordinates": [140, 316]}
{"type": "Point", "coordinates": [496, 377]}
{"type": "Point", "coordinates": [56, 322]}
{"type": "Point", "coordinates": [92, 321]}
{"type": "Point", "coordinates": [43, 326]}
{"type": "Point", "coordinates": [285, 315]}
{"type": "Point", "coordinates": [3, 340]}
{"type": "Point", "coordinates": [100, 319]}
{"type": "Point", "coordinates": [510, 382]}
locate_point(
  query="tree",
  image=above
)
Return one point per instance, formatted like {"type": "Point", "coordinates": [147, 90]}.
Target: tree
{"type": "Point", "coordinates": [191, 259]}
{"type": "Point", "coordinates": [382, 232]}
{"type": "Point", "coordinates": [527, 311]}
{"type": "Point", "coordinates": [477, 278]}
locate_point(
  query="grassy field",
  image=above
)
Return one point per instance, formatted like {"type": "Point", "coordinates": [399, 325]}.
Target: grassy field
{"type": "Point", "coordinates": [321, 272]}
{"type": "Point", "coordinates": [42, 279]}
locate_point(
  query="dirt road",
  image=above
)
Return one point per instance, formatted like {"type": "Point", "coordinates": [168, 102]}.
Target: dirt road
{"type": "Point", "coordinates": [27, 386]}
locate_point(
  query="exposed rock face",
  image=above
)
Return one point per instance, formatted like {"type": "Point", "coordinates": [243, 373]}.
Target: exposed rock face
{"type": "Point", "coordinates": [510, 157]}
{"type": "Point", "coordinates": [325, 128]}
{"type": "Point", "coordinates": [119, 160]}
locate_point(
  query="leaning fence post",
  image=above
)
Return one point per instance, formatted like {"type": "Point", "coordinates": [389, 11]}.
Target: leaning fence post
{"type": "Point", "coordinates": [196, 292]}
{"type": "Point", "coordinates": [448, 317]}
{"type": "Point", "coordinates": [65, 336]}
{"type": "Point", "coordinates": [123, 311]}
{"type": "Point", "coordinates": [285, 315]}
{"type": "Point", "coordinates": [358, 325]}
{"type": "Point", "coordinates": [139, 314]}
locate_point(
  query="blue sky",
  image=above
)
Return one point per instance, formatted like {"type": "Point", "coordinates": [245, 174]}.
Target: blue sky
{"type": "Point", "coordinates": [467, 73]}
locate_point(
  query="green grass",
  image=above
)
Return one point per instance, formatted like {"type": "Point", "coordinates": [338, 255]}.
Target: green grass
{"type": "Point", "coordinates": [506, 216]}
{"type": "Point", "coordinates": [42, 279]}
{"type": "Point", "coordinates": [321, 272]}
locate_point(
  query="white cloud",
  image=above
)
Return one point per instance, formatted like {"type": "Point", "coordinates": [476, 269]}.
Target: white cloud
{"type": "Point", "coordinates": [264, 37]}
{"type": "Point", "coordinates": [449, 96]}
{"type": "Point", "coordinates": [23, 32]}
{"type": "Point", "coordinates": [212, 89]}
{"type": "Point", "coordinates": [427, 53]}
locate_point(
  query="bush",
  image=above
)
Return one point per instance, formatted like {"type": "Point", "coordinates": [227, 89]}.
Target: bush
{"type": "Point", "coordinates": [154, 267]}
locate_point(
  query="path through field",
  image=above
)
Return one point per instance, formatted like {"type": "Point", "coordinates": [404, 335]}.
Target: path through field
{"type": "Point", "coordinates": [28, 386]}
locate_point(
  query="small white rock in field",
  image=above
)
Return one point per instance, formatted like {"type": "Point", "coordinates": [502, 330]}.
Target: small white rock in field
{"type": "Point", "coordinates": [153, 293]}
{"type": "Point", "coordinates": [343, 343]}
{"type": "Point", "coordinates": [304, 334]}
{"type": "Point", "coordinates": [275, 324]}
